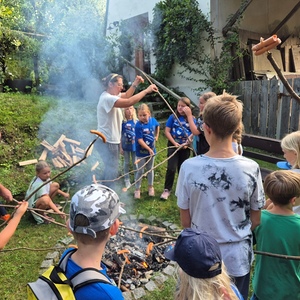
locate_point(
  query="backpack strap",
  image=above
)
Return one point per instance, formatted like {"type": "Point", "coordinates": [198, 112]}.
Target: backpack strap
{"type": "Point", "coordinates": [88, 276]}
{"type": "Point", "coordinates": [83, 277]}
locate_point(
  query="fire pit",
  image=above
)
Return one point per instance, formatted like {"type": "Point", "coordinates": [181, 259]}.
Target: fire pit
{"type": "Point", "coordinates": [134, 257]}
{"type": "Point", "coordinates": [135, 253]}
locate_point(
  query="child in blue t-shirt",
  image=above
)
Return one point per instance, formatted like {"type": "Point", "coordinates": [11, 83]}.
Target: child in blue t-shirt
{"type": "Point", "coordinates": [177, 132]}
{"type": "Point", "coordinates": [128, 141]}
{"type": "Point", "coordinates": [147, 132]}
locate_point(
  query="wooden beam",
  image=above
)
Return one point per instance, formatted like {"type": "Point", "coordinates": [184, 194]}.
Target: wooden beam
{"type": "Point", "coordinates": [72, 141]}
{"type": "Point", "coordinates": [288, 16]}
{"type": "Point", "coordinates": [44, 154]}
{"type": "Point", "coordinates": [236, 16]}
{"type": "Point", "coordinates": [28, 162]}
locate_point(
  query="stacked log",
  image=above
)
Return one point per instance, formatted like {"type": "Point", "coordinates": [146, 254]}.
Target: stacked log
{"type": "Point", "coordinates": [64, 153]}
{"type": "Point", "coordinates": [59, 155]}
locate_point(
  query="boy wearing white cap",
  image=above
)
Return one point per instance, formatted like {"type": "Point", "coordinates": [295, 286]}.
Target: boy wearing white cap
{"type": "Point", "coordinates": [93, 219]}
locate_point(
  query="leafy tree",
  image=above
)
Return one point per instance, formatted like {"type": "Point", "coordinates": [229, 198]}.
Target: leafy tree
{"type": "Point", "coordinates": [182, 33]}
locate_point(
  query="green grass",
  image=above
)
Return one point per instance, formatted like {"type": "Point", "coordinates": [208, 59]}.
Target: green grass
{"type": "Point", "coordinates": [25, 121]}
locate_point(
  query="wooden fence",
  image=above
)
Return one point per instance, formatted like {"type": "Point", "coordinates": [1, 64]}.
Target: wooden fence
{"type": "Point", "coordinates": [269, 111]}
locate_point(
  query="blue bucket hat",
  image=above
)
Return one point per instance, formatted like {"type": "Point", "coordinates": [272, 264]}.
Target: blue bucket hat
{"type": "Point", "coordinates": [197, 253]}
{"type": "Point", "coordinates": [99, 204]}
{"type": "Point", "coordinates": [283, 165]}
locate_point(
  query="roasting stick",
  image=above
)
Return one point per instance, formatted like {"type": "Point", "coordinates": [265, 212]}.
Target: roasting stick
{"type": "Point", "coordinates": [133, 171]}
{"type": "Point", "coordinates": [33, 210]}
{"type": "Point", "coordinates": [146, 233]}
{"type": "Point", "coordinates": [162, 162]}
{"type": "Point", "coordinates": [149, 156]}
{"type": "Point", "coordinates": [159, 93]}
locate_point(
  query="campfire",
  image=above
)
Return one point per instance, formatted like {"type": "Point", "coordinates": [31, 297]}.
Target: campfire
{"type": "Point", "coordinates": [135, 253]}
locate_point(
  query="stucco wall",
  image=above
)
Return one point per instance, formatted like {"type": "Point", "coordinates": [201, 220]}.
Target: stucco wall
{"type": "Point", "coordinates": [125, 9]}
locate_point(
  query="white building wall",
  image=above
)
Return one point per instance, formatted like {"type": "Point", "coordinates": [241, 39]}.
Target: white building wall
{"type": "Point", "coordinates": [124, 9]}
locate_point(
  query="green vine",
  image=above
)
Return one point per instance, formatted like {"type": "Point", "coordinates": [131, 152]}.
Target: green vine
{"type": "Point", "coordinates": [181, 34]}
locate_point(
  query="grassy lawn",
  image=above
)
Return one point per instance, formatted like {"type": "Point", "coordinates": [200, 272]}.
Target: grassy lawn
{"type": "Point", "coordinates": [25, 121]}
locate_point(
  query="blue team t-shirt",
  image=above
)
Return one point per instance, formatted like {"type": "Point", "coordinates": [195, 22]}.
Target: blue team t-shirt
{"type": "Point", "coordinates": [145, 131]}
{"type": "Point", "coordinates": [179, 131]}
{"type": "Point", "coordinates": [128, 135]}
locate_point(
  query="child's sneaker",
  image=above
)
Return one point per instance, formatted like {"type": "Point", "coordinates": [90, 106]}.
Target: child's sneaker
{"type": "Point", "coordinates": [137, 194]}
{"type": "Point", "coordinates": [165, 195]}
{"type": "Point", "coordinates": [127, 183]}
{"type": "Point", "coordinates": [5, 217]}
{"type": "Point", "coordinates": [151, 192]}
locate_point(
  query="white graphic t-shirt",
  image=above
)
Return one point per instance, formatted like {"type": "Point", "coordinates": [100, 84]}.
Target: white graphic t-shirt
{"type": "Point", "coordinates": [219, 193]}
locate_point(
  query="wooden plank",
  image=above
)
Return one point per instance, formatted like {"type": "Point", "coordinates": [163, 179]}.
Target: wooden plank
{"type": "Point", "coordinates": [44, 154]}
{"type": "Point", "coordinates": [28, 162]}
{"type": "Point", "coordinates": [56, 163]}
{"type": "Point", "coordinates": [261, 63]}
{"type": "Point", "coordinates": [273, 105]}
{"type": "Point", "coordinates": [62, 161]}
{"type": "Point", "coordinates": [47, 145]}
{"type": "Point", "coordinates": [72, 141]}
{"type": "Point", "coordinates": [255, 99]}
{"type": "Point", "coordinates": [263, 111]}
{"type": "Point", "coordinates": [247, 92]}
{"type": "Point", "coordinates": [79, 150]}
{"type": "Point", "coordinates": [296, 58]}
{"type": "Point", "coordinates": [262, 143]}
{"type": "Point", "coordinates": [261, 156]}
{"type": "Point", "coordinates": [62, 137]}
{"type": "Point", "coordinates": [285, 112]}
{"type": "Point", "coordinates": [94, 167]}
{"type": "Point", "coordinates": [295, 108]}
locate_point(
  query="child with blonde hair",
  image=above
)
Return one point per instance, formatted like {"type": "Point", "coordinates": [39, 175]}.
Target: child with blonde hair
{"type": "Point", "coordinates": [201, 273]}
{"type": "Point", "coordinates": [43, 198]}
{"type": "Point", "coordinates": [290, 146]}
{"type": "Point", "coordinates": [147, 132]}
{"type": "Point", "coordinates": [128, 141]}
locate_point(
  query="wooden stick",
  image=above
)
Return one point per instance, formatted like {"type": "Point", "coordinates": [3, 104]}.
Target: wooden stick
{"type": "Point", "coordinates": [277, 255]}
{"type": "Point", "coordinates": [282, 78]}
{"type": "Point", "coordinates": [166, 102]}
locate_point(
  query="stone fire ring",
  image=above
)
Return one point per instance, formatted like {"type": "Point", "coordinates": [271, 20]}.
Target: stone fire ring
{"type": "Point", "coordinates": [155, 281]}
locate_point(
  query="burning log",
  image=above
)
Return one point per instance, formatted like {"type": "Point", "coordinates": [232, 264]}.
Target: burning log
{"type": "Point", "coordinates": [133, 254]}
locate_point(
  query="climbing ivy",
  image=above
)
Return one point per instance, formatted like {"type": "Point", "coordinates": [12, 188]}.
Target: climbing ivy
{"type": "Point", "coordinates": [181, 33]}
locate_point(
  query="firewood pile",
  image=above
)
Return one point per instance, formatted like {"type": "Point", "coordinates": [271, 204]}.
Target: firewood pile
{"type": "Point", "coordinates": [64, 152]}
